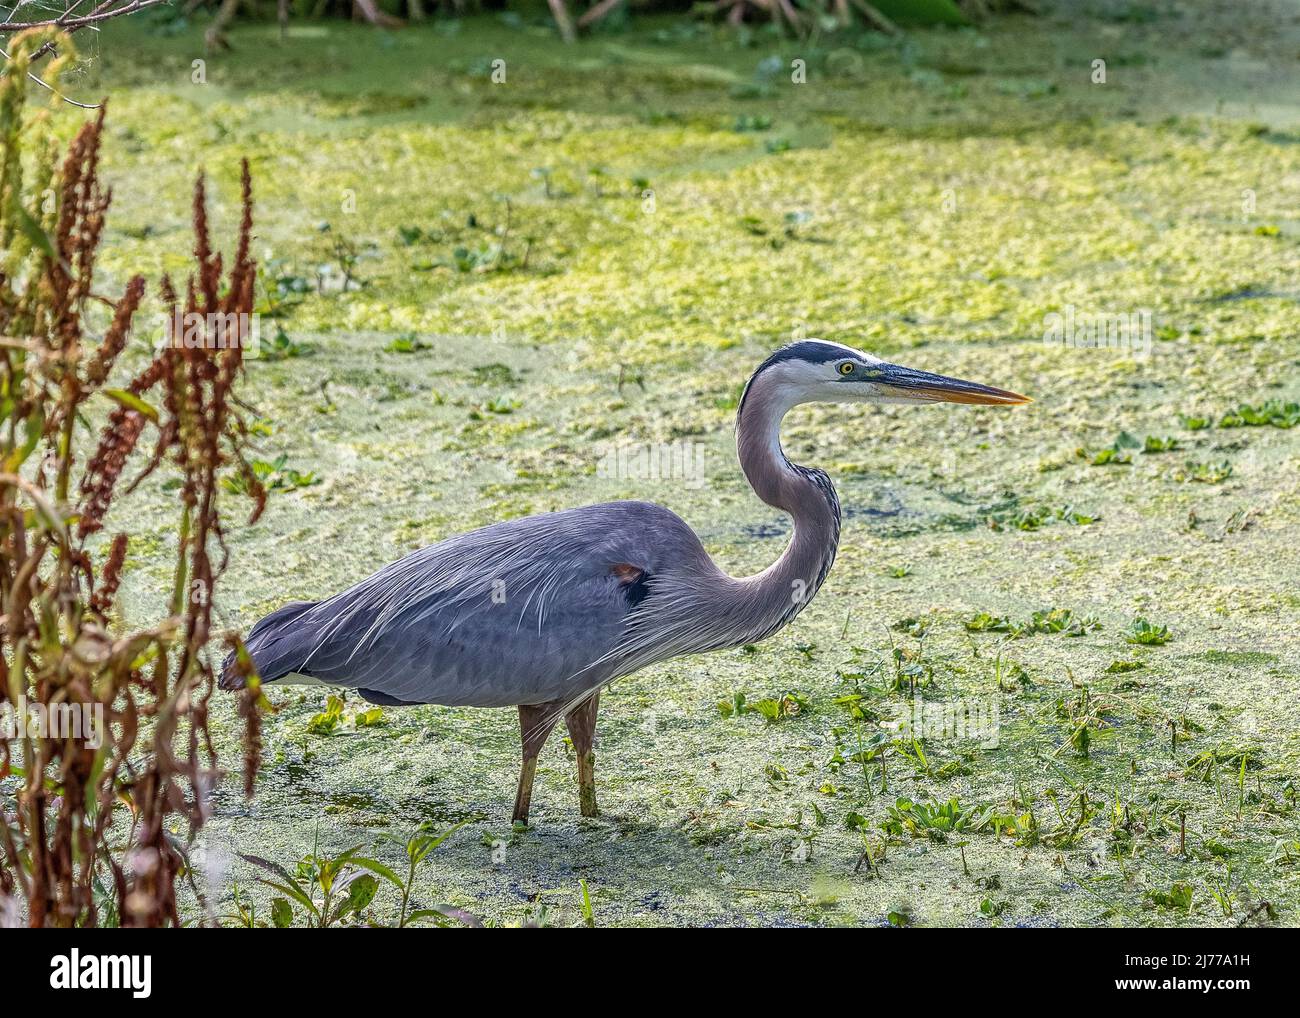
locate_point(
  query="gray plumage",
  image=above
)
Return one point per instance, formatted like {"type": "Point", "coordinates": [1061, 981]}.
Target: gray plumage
{"type": "Point", "coordinates": [525, 611]}
{"type": "Point", "coordinates": [546, 609]}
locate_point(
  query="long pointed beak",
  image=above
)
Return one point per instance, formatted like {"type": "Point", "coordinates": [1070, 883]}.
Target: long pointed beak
{"type": "Point", "coordinates": [923, 385]}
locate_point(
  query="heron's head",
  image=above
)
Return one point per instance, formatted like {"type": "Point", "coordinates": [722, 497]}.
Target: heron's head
{"type": "Point", "coordinates": [817, 371]}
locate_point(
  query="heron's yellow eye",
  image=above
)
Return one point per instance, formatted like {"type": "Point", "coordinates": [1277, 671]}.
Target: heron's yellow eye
{"type": "Point", "coordinates": [846, 368]}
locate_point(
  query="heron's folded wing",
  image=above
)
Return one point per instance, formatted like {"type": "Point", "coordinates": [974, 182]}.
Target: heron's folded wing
{"type": "Point", "coordinates": [521, 615]}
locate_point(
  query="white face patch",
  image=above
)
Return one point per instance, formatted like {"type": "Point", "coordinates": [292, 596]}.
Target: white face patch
{"type": "Point", "coordinates": [825, 378]}
{"type": "Point", "coordinates": [800, 372]}
{"type": "Point", "coordinates": [809, 371]}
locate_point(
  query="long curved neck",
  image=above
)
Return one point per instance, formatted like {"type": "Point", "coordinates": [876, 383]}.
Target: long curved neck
{"type": "Point", "coordinates": [774, 596]}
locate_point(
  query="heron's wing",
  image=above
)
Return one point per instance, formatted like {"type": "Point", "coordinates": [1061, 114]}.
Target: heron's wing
{"type": "Point", "coordinates": [526, 611]}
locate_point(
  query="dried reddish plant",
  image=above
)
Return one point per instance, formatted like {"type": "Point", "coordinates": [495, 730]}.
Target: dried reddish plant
{"type": "Point", "coordinates": [89, 838]}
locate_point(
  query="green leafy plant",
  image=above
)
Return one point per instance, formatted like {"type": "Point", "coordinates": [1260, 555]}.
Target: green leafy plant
{"type": "Point", "coordinates": [1147, 634]}
{"type": "Point", "coordinates": [934, 819]}
{"type": "Point", "coordinates": [777, 708]}
{"type": "Point", "coordinates": [407, 343]}
{"type": "Point", "coordinates": [1049, 620]}
{"type": "Point", "coordinates": [500, 405]}
{"type": "Point", "coordinates": [1271, 413]}
{"type": "Point", "coordinates": [417, 849]}
{"type": "Point", "coordinates": [1177, 897]}
{"type": "Point", "coordinates": [336, 890]}
{"type": "Point", "coordinates": [1040, 516]}
{"type": "Point", "coordinates": [1056, 620]}
{"type": "Point", "coordinates": [271, 476]}
{"type": "Point", "coordinates": [992, 909]}
{"type": "Point", "coordinates": [588, 912]}
{"type": "Point", "coordinates": [1118, 452]}
{"type": "Point", "coordinates": [733, 707]}
{"type": "Point", "coordinates": [330, 719]}
{"type": "Point", "coordinates": [281, 347]}
{"type": "Point", "coordinates": [983, 622]}
{"type": "Point", "coordinates": [1203, 473]}
{"type": "Point", "coordinates": [1010, 676]}
{"type": "Point", "coordinates": [329, 890]}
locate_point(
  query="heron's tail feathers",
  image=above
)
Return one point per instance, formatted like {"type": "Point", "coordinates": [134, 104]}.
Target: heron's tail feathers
{"type": "Point", "coordinates": [276, 644]}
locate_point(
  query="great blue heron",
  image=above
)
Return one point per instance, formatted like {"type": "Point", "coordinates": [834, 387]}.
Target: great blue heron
{"type": "Point", "coordinates": [541, 612]}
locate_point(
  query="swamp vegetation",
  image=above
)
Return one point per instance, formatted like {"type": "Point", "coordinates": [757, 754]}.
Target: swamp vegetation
{"type": "Point", "coordinates": [485, 263]}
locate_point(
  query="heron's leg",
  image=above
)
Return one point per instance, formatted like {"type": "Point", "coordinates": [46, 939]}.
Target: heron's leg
{"type": "Point", "coordinates": [582, 730]}
{"type": "Point", "coordinates": [535, 724]}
